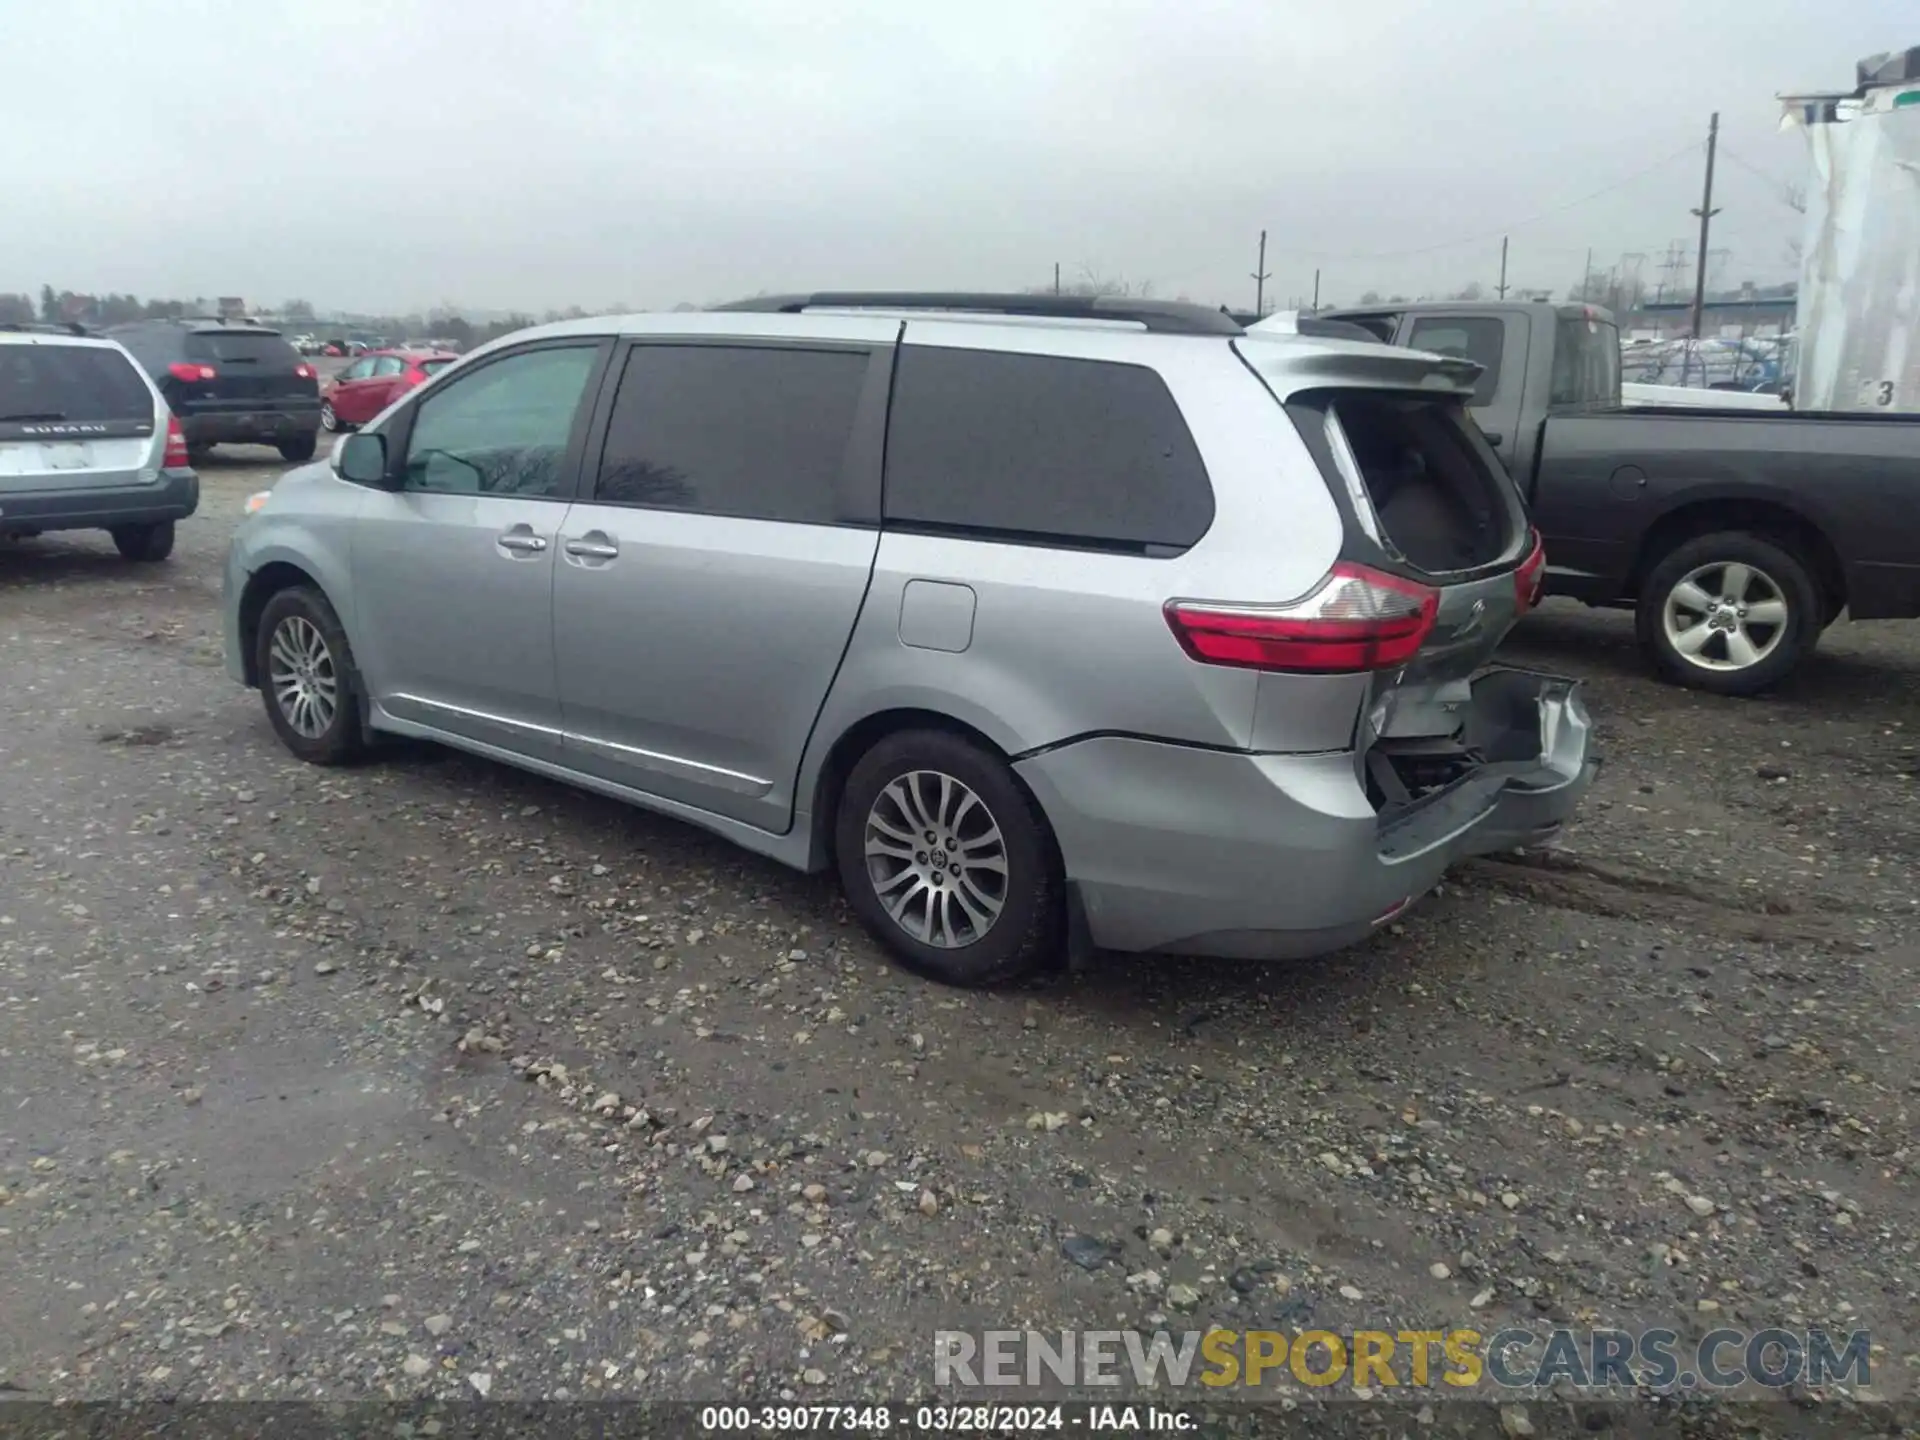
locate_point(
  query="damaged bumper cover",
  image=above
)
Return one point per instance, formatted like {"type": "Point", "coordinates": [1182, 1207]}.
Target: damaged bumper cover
{"type": "Point", "coordinates": [1178, 849]}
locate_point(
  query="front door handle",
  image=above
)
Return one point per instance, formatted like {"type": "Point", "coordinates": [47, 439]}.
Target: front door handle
{"type": "Point", "coordinates": [522, 541]}
{"type": "Point", "coordinates": [594, 545]}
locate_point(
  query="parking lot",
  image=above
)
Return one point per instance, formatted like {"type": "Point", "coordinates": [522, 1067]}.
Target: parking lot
{"type": "Point", "coordinates": [427, 1076]}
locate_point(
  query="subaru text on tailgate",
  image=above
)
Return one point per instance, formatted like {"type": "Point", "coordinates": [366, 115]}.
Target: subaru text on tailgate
{"type": "Point", "coordinates": [1046, 622]}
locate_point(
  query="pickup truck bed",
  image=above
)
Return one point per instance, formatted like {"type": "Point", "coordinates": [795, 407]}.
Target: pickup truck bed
{"type": "Point", "coordinates": [1736, 535]}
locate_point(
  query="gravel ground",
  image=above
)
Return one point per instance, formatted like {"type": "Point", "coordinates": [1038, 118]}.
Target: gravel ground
{"type": "Point", "coordinates": [428, 1077]}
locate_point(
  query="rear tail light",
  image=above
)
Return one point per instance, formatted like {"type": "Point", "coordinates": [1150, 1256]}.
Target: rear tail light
{"type": "Point", "coordinates": [176, 457]}
{"type": "Point", "coordinates": [303, 372]}
{"type": "Point", "coordinates": [190, 372]}
{"type": "Point", "coordinates": [1358, 620]}
{"type": "Point", "coordinates": [415, 375]}
{"type": "Point", "coordinates": [1530, 579]}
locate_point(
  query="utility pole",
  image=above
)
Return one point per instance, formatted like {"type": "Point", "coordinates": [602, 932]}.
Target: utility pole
{"type": "Point", "coordinates": [1706, 212]}
{"type": "Point", "coordinates": [1503, 267]}
{"type": "Point", "coordinates": [1260, 277]}
{"type": "Point", "coordinates": [1316, 290]}
{"type": "Point", "coordinates": [1586, 275]}
{"type": "Point", "coordinates": [1056, 277]}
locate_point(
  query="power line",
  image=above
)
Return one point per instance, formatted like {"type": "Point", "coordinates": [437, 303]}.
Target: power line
{"type": "Point", "coordinates": [1784, 192]}
{"type": "Point", "coordinates": [1692, 148]}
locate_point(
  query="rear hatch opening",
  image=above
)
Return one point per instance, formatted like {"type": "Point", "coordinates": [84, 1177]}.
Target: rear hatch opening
{"type": "Point", "coordinates": [1428, 503]}
{"type": "Point", "coordinates": [1424, 490]}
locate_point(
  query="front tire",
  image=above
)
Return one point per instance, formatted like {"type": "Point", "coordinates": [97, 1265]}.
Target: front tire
{"type": "Point", "coordinates": [299, 448]}
{"type": "Point", "coordinates": [329, 421]}
{"type": "Point", "coordinates": [1730, 613]}
{"type": "Point", "coordinates": [144, 544]}
{"type": "Point", "coordinates": [308, 681]}
{"type": "Point", "coordinates": [947, 860]}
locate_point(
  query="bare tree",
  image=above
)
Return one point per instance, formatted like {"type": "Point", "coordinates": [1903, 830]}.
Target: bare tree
{"type": "Point", "coordinates": [1092, 284]}
{"type": "Point", "coordinates": [1469, 292]}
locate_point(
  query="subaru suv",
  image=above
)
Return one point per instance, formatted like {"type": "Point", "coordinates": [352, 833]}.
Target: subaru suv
{"type": "Point", "coordinates": [230, 383]}
{"type": "Point", "coordinates": [1050, 624]}
{"type": "Point", "coordinates": [86, 443]}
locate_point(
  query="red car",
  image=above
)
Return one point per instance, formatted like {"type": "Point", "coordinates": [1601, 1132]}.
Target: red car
{"type": "Point", "coordinates": [375, 381]}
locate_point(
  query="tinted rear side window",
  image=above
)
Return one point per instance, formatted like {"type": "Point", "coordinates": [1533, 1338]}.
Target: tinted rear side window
{"type": "Point", "coordinates": [71, 382]}
{"type": "Point", "coordinates": [760, 433]}
{"type": "Point", "coordinates": [1474, 338]}
{"type": "Point", "coordinates": [262, 352]}
{"type": "Point", "coordinates": [1040, 448]}
{"type": "Point", "coordinates": [433, 367]}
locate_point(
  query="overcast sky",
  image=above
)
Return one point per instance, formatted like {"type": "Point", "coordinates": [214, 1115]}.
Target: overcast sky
{"type": "Point", "coordinates": [536, 153]}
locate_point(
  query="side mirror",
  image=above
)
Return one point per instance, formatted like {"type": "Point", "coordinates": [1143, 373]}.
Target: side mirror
{"type": "Point", "coordinates": [362, 459]}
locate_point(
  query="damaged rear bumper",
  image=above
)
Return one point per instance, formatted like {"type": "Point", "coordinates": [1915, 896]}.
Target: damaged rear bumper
{"type": "Point", "coordinates": [1206, 852]}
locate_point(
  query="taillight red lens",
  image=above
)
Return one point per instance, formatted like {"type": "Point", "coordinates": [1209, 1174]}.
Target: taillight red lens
{"type": "Point", "coordinates": [176, 457]}
{"type": "Point", "coordinates": [1531, 578]}
{"type": "Point", "coordinates": [415, 375]}
{"type": "Point", "coordinates": [304, 372]}
{"type": "Point", "coordinates": [190, 372]}
{"type": "Point", "coordinates": [1358, 620]}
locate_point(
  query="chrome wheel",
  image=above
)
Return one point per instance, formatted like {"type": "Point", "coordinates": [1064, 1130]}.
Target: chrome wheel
{"type": "Point", "coordinates": [1728, 615]}
{"type": "Point", "coordinates": [936, 858]}
{"type": "Point", "coordinates": [328, 420]}
{"type": "Point", "coordinates": [301, 677]}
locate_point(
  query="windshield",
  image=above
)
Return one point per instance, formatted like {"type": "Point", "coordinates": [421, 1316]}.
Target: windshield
{"type": "Point", "coordinates": [1586, 364]}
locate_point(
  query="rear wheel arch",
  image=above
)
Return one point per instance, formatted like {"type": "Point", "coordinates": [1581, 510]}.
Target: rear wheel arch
{"type": "Point", "coordinates": [1770, 519]}
{"type": "Point", "coordinates": [860, 737]}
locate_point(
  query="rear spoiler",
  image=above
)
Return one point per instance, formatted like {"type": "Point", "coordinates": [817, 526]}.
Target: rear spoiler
{"type": "Point", "coordinates": [1374, 365]}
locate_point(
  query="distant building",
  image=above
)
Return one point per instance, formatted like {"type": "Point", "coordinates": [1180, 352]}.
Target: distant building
{"type": "Point", "coordinates": [1756, 311]}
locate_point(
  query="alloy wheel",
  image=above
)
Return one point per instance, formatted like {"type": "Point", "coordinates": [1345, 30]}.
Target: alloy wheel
{"type": "Point", "coordinates": [936, 858]}
{"type": "Point", "coordinates": [302, 678]}
{"type": "Point", "coordinates": [1727, 615]}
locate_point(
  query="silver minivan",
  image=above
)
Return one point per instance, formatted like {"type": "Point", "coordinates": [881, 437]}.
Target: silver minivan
{"type": "Point", "coordinates": [87, 442]}
{"type": "Point", "coordinates": [1053, 625]}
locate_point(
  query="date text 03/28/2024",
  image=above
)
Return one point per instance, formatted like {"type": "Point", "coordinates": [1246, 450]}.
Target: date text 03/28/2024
{"type": "Point", "coordinates": [961, 1419]}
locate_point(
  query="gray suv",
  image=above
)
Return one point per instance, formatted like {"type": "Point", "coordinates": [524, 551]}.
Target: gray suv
{"type": "Point", "coordinates": [1051, 624]}
{"type": "Point", "coordinates": [87, 442]}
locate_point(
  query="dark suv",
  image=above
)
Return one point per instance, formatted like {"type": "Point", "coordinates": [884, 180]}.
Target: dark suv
{"type": "Point", "coordinates": [229, 383]}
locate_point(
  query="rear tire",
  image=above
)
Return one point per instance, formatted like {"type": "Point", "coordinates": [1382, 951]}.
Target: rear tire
{"type": "Point", "coordinates": [308, 680]}
{"type": "Point", "coordinates": [329, 421]}
{"type": "Point", "coordinates": [300, 447]}
{"type": "Point", "coordinates": [981, 903]}
{"type": "Point", "coordinates": [1731, 613]}
{"type": "Point", "coordinates": [144, 543]}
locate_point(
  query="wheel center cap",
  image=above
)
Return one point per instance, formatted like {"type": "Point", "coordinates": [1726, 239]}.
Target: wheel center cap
{"type": "Point", "coordinates": [939, 859]}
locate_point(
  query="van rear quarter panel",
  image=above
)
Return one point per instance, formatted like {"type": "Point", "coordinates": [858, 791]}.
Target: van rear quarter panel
{"type": "Point", "coordinates": [1069, 643]}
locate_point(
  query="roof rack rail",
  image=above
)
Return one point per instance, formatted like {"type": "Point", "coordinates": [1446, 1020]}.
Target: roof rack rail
{"type": "Point", "coordinates": [37, 327]}
{"type": "Point", "coordinates": [1162, 317]}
